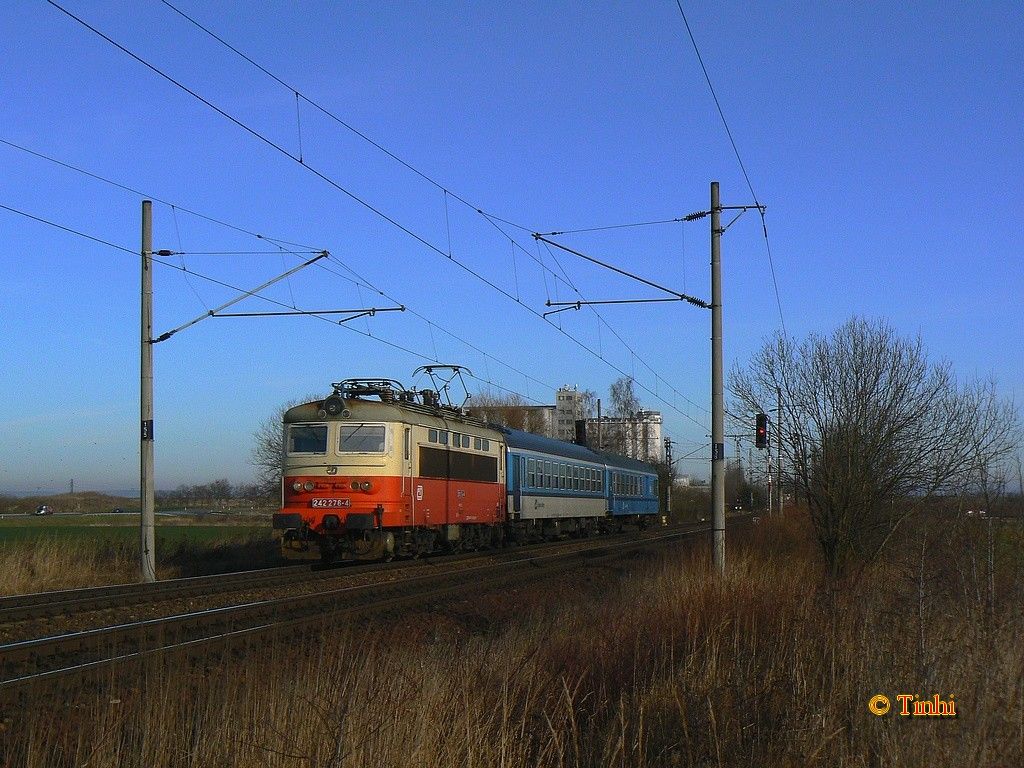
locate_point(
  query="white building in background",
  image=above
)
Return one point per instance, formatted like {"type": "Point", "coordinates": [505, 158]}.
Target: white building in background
{"type": "Point", "coordinates": [639, 437]}
{"type": "Point", "coordinates": [569, 407]}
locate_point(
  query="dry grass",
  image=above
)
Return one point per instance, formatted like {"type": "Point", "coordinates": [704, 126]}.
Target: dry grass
{"type": "Point", "coordinates": [673, 668]}
{"type": "Point", "coordinates": [49, 564]}
{"type": "Point", "coordinates": [45, 565]}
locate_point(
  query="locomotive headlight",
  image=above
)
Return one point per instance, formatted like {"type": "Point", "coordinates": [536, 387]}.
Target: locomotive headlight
{"type": "Point", "coordinates": [355, 485]}
{"type": "Point", "coordinates": [309, 485]}
{"type": "Point", "coordinates": [366, 485]}
{"type": "Point", "coordinates": [296, 486]}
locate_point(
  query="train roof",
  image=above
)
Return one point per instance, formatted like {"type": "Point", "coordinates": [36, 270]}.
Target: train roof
{"type": "Point", "coordinates": [528, 441]}
{"type": "Point", "coordinates": [624, 462]}
{"type": "Point", "coordinates": [359, 408]}
{"type": "Point", "coordinates": [446, 418]}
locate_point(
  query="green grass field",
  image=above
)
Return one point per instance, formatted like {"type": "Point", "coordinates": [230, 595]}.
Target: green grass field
{"type": "Point", "coordinates": [118, 529]}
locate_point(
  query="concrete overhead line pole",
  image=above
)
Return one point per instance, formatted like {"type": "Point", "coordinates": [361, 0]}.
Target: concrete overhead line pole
{"type": "Point", "coordinates": [146, 486]}
{"type": "Point", "coordinates": [717, 378]}
{"type": "Point", "coordinates": [717, 386]}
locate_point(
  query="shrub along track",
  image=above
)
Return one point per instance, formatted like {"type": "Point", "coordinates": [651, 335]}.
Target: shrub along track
{"type": "Point", "coordinates": [76, 661]}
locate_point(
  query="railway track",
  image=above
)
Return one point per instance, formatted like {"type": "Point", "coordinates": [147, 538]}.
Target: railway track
{"type": "Point", "coordinates": [48, 604]}
{"type": "Point", "coordinates": [73, 659]}
{"type": "Point", "coordinates": [43, 605]}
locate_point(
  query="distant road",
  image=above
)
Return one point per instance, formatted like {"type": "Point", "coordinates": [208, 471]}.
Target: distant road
{"type": "Point", "coordinates": [196, 512]}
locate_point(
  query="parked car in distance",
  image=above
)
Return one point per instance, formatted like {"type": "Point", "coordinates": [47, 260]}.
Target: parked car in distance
{"type": "Point", "coordinates": [44, 509]}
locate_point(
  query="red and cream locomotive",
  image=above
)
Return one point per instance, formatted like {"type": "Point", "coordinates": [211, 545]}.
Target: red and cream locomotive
{"type": "Point", "coordinates": [376, 470]}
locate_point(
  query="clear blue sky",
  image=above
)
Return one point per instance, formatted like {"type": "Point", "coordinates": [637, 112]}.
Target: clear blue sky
{"type": "Point", "coordinates": [885, 141]}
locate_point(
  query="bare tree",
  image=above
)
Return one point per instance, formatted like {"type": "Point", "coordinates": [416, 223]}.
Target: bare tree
{"type": "Point", "coordinates": [625, 406]}
{"type": "Point", "coordinates": [509, 410]}
{"type": "Point", "coordinates": [625, 403]}
{"type": "Point", "coordinates": [588, 404]}
{"type": "Point", "coordinates": [871, 431]}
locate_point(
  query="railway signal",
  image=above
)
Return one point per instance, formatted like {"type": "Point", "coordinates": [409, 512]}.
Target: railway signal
{"type": "Point", "coordinates": [761, 431]}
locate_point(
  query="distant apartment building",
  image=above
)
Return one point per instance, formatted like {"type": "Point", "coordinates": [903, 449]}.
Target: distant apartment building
{"type": "Point", "coordinates": [569, 407]}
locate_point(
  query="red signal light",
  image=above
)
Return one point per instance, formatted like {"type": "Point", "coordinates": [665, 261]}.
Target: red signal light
{"type": "Point", "coordinates": [761, 431]}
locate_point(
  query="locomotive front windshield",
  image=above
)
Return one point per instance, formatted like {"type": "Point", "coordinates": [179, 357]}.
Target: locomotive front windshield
{"type": "Point", "coordinates": [361, 438]}
{"type": "Point", "coordinates": [307, 438]}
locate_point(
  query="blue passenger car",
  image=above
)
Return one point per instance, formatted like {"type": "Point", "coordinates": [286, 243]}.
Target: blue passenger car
{"type": "Point", "coordinates": [632, 486]}
{"type": "Point", "coordinates": [555, 487]}
{"type": "Point", "coordinates": [553, 479]}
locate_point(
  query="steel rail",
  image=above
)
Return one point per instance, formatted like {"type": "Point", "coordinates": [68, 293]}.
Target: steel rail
{"type": "Point", "coordinates": [57, 603]}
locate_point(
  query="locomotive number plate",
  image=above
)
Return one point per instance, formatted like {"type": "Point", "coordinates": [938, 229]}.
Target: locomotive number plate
{"type": "Point", "coordinates": [331, 503]}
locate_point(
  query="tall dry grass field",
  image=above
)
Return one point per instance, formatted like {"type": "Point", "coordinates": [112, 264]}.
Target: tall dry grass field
{"type": "Point", "coordinates": [661, 665]}
{"type": "Point", "coordinates": [44, 564]}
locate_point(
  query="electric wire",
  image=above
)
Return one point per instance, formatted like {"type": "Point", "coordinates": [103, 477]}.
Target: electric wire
{"type": "Point", "coordinates": [487, 355]}
{"type": "Point", "coordinates": [447, 192]}
{"type": "Point", "coordinates": [176, 207]}
{"type": "Point", "coordinates": [599, 353]}
{"type": "Point", "coordinates": [611, 226]}
{"type": "Point", "coordinates": [248, 293]}
{"type": "Point", "coordinates": [54, 224]}
{"type": "Point", "coordinates": [276, 241]}
{"type": "Point", "coordinates": [181, 258]}
{"type": "Point", "coordinates": [743, 168]}
{"type": "Point", "coordinates": [622, 341]}
{"type": "Point", "coordinates": [327, 179]}
{"type": "Point", "coordinates": [328, 113]}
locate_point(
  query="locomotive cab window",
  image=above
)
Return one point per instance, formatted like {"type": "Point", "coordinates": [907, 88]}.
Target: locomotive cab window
{"type": "Point", "coordinates": [307, 438]}
{"type": "Point", "coordinates": [361, 438]}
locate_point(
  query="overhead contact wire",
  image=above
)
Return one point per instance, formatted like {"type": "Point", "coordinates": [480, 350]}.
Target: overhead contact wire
{"type": "Point", "coordinates": [256, 134]}
{"type": "Point", "coordinates": [248, 293]}
{"type": "Point", "coordinates": [743, 168]}
{"type": "Point", "coordinates": [491, 218]}
{"type": "Point", "coordinates": [447, 192]}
